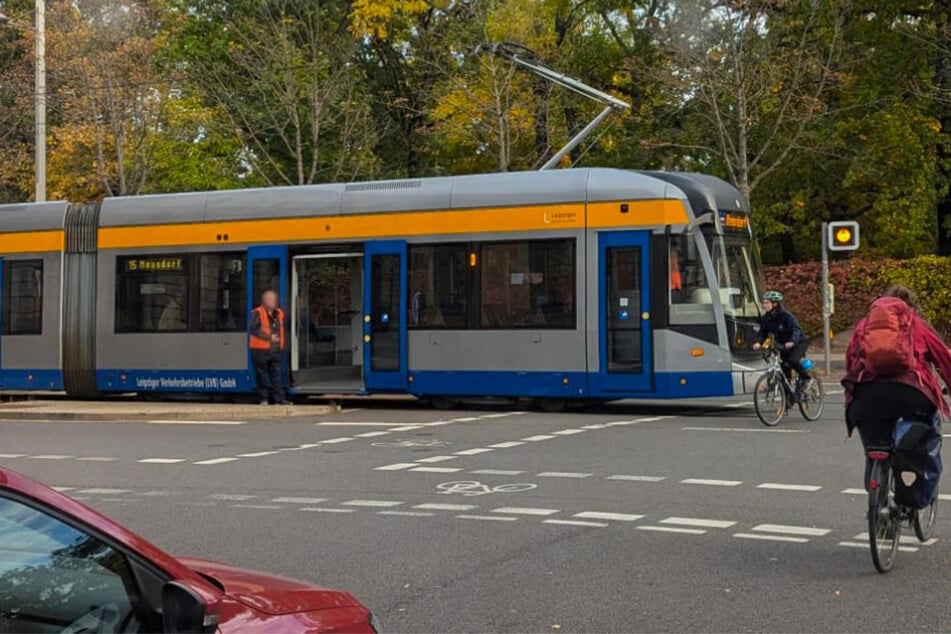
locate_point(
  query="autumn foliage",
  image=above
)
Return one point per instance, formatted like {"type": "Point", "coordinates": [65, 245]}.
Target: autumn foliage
{"type": "Point", "coordinates": [857, 281]}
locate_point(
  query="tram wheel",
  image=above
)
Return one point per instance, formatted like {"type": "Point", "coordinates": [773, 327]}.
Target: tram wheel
{"type": "Point", "coordinates": [443, 402]}
{"type": "Point", "coordinates": [552, 405]}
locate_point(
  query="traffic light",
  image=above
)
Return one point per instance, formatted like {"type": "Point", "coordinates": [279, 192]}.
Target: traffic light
{"type": "Point", "coordinates": [843, 236]}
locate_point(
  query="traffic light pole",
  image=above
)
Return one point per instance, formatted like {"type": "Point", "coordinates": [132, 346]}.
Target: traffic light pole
{"type": "Point", "coordinates": [826, 345]}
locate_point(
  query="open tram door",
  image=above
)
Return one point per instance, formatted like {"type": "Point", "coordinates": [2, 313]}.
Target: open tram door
{"type": "Point", "coordinates": [384, 316]}
{"type": "Point", "coordinates": [267, 270]}
{"type": "Point", "coordinates": [624, 327]}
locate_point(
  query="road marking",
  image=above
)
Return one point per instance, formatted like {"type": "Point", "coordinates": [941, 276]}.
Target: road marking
{"type": "Point", "coordinates": [636, 478]}
{"type": "Point", "coordinates": [397, 466]}
{"type": "Point", "coordinates": [506, 445]}
{"type": "Point", "coordinates": [621, 423]}
{"type": "Point", "coordinates": [311, 445]}
{"type": "Point", "coordinates": [904, 539]}
{"type": "Point", "coordinates": [563, 474]}
{"type": "Point", "coordinates": [788, 487]}
{"type": "Point", "coordinates": [299, 500]}
{"type": "Point", "coordinates": [161, 460]}
{"type": "Point", "coordinates": [696, 521]}
{"type": "Point", "coordinates": [97, 459]}
{"type": "Point", "coordinates": [516, 510]}
{"type": "Point", "coordinates": [468, 419]}
{"type": "Point", "coordinates": [504, 472]}
{"type": "Point", "coordinates": [497, 415]}
{"type": "Point", "coordinates": [355, 424]}
{"type": "Point", "coordinates": [321, 510]}
{"type": "Point", "coordinates": [373, 434]}
{"type": "Point", "coordinates": [904, 549]}
{"type": "Point", "coordinates": [596, 426]}
{"type": "Point", "coordinates": [568, 432]}
{"type": "Point", "coordinates": [371, 503]}
{"type": "Point", "coordinates": [269, 507]}
{"type": "Point", "coordinates": [446, 507]}
{"type": "Point", "coordinates": [63, 489]}
{"type": "Point", "coordinates": [48, 456]}
{"type": "Point", "coordinates": [575, 523]}
{"type": "Point", "coordinates": [473, 452]}
{"type": "Point", "coordinates": [196, 422]}
{"type": "Point", "coordinates": [772, 538]}
{"type": "Point", "coordinates": [750, 429]}
{"type": "Point", "coordinates": [437, 459]}
{"type": "Point", "coordinates": [617, 517]}
{"type": "Point", "coordinates": [406, 428]}
{"type": "Point", "coordinates": [334, 441]}
{"type": "Point", "coordinates": [671, 529]}
{"type": "Point", "coordinates": [12, 455]}
{"type": "Point", "coordinates": [792, 530]}
{"type": "Point", "coordinates": [944, 496]}
{"type": "Point", "coordinates": [855, 491]}
{"type": "Point", "coordinates": [216, 461]}
{"type": "Point", "coordinates": [104, 491]}
{"type": "Point", "coordinates": [539, 437]}
{"type": "Point", "coordinates": [258, 454]}
{"type": "Point", "coordinates": [487, 518]}
{"type": "Point", "coordinates": [155, 494]}
{"type": "Point", "coordinates": [436, 469]}
{"type": "Point", "coordinates": [712, 483]}
{"type": "Point", "coordinates": [406, 513]}
{"type": "Point", "coordinates": [651, 419]}
{"type": "Point", "coordinates": [231, 497]}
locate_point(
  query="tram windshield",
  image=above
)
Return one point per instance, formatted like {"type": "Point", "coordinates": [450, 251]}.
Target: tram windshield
{"type": "Point", "coordinates": [738, 273]}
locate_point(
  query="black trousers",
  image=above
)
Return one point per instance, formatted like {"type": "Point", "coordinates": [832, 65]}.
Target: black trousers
{"type": "Point", "coordinates": [268, 374]}
{"type": "Point", "coordinates": [876, 407]}
{"type": "Point", "coordinates": [793, 358]}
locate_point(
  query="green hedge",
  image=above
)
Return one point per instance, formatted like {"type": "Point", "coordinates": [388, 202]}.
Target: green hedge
{"type": "Point", "coordinates": [857, 281]}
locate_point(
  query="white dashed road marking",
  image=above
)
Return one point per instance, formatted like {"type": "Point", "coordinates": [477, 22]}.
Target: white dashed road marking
{"type": "Point", "coordinates": [788, 487]}
{"type": "Point", "coordinates": [446, 507]}
{"type": "Point", "coordinates": [473, 452]}
{"type": "Point", "coordinates": [436, 469]}
{"type": "Point", "coordinates": [772, 538]}
{"type": "Point", "coordinates": [322, 510]}
{"type": "Point", "coordinates": [50, 457]}
{"type": "Point", "coordinates": [406, 513]}
{"type": "Point", "coordinates": [854, 491]}
{"type": "Point", "coordinates": [437, 459]}
{"type": "Point", "coordinates": [103, 491]}
{"type": "Point", "coordinates": [575, 523]}
{"type": "Point", "coordinates": [487, 518]}
{"type": "Point", "coordinates": [396, 467]}
{"type": "Point", "coordinates": [617, 517]}
{"type": "Point", "coordinates": [506, 445]}
{"type": "Point", "coordinates": [636, 478]}
{"type": "Point", "coordinates": [792, 530]}
{"type": "Point", "coordinates": [12, 455]}
{"type": "Point", "coordinates": [162, 460]}
{"type": "Point", "coordinates": [515, 510]}
{"type": "Point", "coordinates": [299, 500]}
{"type": "Point", "coordinates": [215, 461]}
{"type": "Point", "coordinates": [229, 497]}
{"type": "Point", "coordinates": [503, 472]}
{"type": "Point", "coordinates": [97, 459]}
{"type": "Point", "coordinates": [539, 437]}
{"type": "Point", "coordinates": [373, 434]}
{"type": "Point", "coordinates": [695, 521]}
{"type": "Point", "coordinates": [562, 474]}
{"type": "Point", "coordinates": [258, 454]}
{"type": "Point", "coordinates": [568, 432]}
{"type": "Point", "coordinates": [333, 441]}
{"type": "Point", "coordinates": [371, 503]}
{"type": "Point", "coordinates": [671, 529]}
{"type": "Point", "coordinates": [712, 483]}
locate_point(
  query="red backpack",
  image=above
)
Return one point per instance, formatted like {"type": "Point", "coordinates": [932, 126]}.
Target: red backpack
{"type": "Point", "coordinates": [888, 339]}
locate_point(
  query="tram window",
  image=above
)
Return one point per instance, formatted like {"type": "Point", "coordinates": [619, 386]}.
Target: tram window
{"type": "Point", "coordinates": [222, 298]}
{"type": "Point", "coordinates": [689, 294]}
{"type": "Point", "coordinates": [438, 286]}
{"type": "Point", "coordinates": [23, 297]}
{"type": "Point", "coordinates": [528, 284]}
{"type": "Point", "coordinates": [152, 293]}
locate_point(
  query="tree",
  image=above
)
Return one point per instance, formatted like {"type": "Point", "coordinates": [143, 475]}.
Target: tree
{"type": "Point", "coordinates": [282, 72]}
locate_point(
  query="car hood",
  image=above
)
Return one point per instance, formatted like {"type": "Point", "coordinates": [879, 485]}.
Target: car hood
{"type": "Point", "coordinates": [269, 594]}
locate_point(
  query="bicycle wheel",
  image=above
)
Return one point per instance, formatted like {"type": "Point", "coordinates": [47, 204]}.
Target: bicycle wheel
{"type": "Point", "coordinates": [810, 401]}
{"type": "Point", "coordinates": [925, 520]}
{"type": "Point", "coordinates": [769, 400]}
{"type": "Point", "coordinates": [884, 529]}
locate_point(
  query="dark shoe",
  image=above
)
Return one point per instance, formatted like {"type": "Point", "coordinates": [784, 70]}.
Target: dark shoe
{"type": "Point", "coordinates": [285, 403]}
{"type": "Point", "coordinates": [264, 402]}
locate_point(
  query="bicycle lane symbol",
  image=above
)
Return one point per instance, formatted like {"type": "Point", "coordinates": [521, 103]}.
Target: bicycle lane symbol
{"type": "Point", "coordinates": [471, 488]}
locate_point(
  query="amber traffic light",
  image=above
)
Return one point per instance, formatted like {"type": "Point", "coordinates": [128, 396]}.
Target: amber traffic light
{"type": "Point", "coordinates": [843, 236]}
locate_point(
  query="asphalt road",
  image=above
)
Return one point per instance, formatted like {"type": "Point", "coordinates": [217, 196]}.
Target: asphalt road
{"type": "Point", "coordinates": [644, 517]}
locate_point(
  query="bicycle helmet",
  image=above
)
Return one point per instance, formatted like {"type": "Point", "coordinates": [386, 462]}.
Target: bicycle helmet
{"type": "Point", "coordinates": [773, 296]}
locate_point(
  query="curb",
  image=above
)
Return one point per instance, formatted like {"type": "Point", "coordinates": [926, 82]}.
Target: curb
{"type": "Point", "coordinates": [273, 413]}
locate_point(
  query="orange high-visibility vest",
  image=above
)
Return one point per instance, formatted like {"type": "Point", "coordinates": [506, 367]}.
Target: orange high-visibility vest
{"type": "Point", "coordinates": [258, 343]}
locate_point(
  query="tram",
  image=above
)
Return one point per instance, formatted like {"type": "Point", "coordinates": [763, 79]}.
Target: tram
{"type": "Point", "coordinates": [576, 284]}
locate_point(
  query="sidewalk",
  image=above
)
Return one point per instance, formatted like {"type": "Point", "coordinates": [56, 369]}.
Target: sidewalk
{"type": "Point", "coordinates": [128, 410]}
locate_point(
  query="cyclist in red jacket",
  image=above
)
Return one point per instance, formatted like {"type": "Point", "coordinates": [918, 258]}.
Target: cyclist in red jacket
{"type": "Point", "coordinates": [874, 404]}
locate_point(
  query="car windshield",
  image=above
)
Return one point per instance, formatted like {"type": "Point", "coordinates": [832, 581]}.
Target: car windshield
{"type": "Point", "coordinates": [739, 275]}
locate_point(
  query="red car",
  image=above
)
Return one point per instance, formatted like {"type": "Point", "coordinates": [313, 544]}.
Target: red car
{"type": "Point", "coordinates": [66, 568]}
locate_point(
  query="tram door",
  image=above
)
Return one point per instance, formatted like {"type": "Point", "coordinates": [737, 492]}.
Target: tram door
{"type": "Point", "coordinates": [267, 270]}
{"type": "Point", "coordinates": [626, 359]}
{"type": "Point", "coordinates": [384, 316]}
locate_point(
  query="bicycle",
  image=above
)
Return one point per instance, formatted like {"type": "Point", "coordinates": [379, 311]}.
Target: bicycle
{"type": "Point", "coordinates": [773, 393]}
{"type": "Point", "coordinates": [885, 517]}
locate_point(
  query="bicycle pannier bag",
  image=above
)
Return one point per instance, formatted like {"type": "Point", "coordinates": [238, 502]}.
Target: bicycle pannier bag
{"type": "Point", "coordinates": [888, 339]}
{"type": "Point", "coordinates": [917, 450]}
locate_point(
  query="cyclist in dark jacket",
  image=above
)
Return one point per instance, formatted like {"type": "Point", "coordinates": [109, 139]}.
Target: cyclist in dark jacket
{"type": "Point", "coordinates": [785, 330]}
